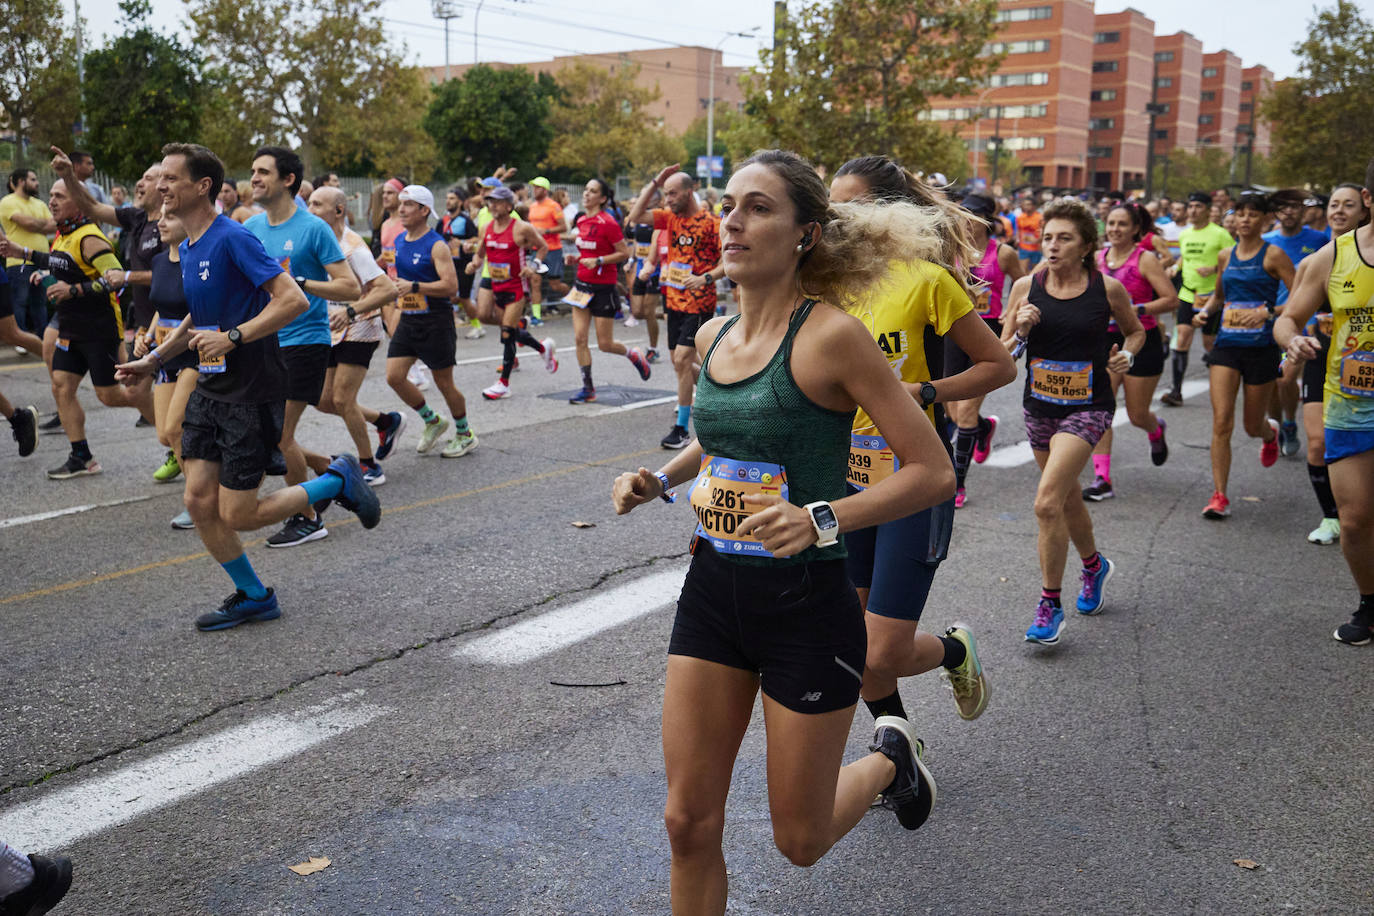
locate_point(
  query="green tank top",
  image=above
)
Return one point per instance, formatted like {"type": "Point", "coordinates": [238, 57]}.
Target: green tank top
{"type": "Point", "coordinates": [767, 418]}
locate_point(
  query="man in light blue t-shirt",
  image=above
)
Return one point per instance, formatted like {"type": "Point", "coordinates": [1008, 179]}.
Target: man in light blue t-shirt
{"type": "Point", "coordinates": [305, 247]}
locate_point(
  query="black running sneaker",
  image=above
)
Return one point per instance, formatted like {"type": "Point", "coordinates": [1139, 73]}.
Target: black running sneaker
{"type": "Point", "coordinates": [1101, 489]}
{"type": "Point", "coordinates": [51, 879]}
{"type": "Point", "coordinates": [51, 425]}
{"type": "Point", "coordinates": [1159, 447]}
{"type": "Point", "coordinates": [912, 791]}
{"type": "Point", "coordinates": [1359, 631]}
{"type": "Point", "coordinates": [24, 425]}
{"type": "Point", "coordinates": [677, 438]}
{"type": "Point", "coordinates": [298, 530]}
{"type": "Point", "coordinates": [74, 467]}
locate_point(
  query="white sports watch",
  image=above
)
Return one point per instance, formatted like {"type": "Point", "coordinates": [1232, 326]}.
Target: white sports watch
{"type": "Point", "coordinates": [1130, 358]}
{"type": "Point", "coordinates": [824, 521]}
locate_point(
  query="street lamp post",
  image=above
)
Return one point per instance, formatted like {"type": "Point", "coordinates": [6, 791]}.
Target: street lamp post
{"type": "Point", "coordinates": [475, 14]}
{"type": "Point", "coordinates": [977, 124]}
{"type": "Point", "coordinates": [711, 103]}
{"type": "Point", "coordinates": [446, 10]}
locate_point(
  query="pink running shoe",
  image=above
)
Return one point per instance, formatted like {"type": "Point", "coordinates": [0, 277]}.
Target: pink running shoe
{"type": "Point", "coordinates": [982, 448]}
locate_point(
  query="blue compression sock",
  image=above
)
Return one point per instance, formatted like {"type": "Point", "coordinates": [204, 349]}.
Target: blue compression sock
{"type": "Point", "coordinates": [684, 415]}
{"type": "Point", "coordinates": [326, 486]}
{"type": "Point", "coordinates": [241, 571]}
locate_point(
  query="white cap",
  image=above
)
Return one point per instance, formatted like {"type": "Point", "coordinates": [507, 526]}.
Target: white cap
{"type": "Point", "coordinates": [418, 193]}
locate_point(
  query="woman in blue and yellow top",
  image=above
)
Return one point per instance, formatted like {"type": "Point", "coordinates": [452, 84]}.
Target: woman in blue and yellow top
{"type": "Point", "coordinates": [1342, 274]}
{"type": "Point", "coordinates": [766, 604]}
{"type": "Point", "coordinates": [921, 304]}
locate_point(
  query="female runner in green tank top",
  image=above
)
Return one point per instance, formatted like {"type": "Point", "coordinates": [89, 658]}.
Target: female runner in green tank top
{"type": "Point", "coordinates": [766, 605]}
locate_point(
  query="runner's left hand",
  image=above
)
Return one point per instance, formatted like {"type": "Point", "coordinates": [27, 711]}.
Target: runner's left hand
{"type": "Point", "coordinates": [1116, 361]}
{"type": "Point", "coordinates": [630, 490]}
{"type": "Point", "coordinates": [784, 529]}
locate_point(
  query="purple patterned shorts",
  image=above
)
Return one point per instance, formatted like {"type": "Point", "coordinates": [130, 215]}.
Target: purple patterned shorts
{"type": "Point", "coordinates": [1088, 425]}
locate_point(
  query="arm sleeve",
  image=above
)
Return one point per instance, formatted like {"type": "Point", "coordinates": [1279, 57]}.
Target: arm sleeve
{"type": "Point", "coordinates": [106, 260]}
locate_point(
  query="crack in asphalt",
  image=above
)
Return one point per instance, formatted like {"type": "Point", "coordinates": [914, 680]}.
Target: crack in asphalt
{"type": "Point", "coordinates": [394, 655]}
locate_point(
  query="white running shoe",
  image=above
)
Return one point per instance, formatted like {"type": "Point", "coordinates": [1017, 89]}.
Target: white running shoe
{"type": "Point", "coordinates": [429, 437]}
{"type": "Point", "coordinates": [1327, 533]}
{"type": "Point", "coordinates": [631, 321]}
{"type": "Point", "coordinates": [418, 376]}
{"type": "Point", "coordinates": [459, 446]}
{"type": "Point", "coordinates": [476, 332]}
{"type": "Point", "coordinates": [496, 391]}
{"type": "Point", "coordinates": [550, 361]}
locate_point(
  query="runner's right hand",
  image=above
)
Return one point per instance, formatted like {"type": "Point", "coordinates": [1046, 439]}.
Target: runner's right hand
{"type": "Point", "coordinates": [630, 490]}
{"type": "Point", "coordinates": [1303, 348]}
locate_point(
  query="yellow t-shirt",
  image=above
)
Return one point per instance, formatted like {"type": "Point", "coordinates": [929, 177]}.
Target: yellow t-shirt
{"type": "Point", "coordinates": [916, 297]}
{"type": "Point", "coordinates": [11, 204]}
{"type": "Point", "coordinates": [1349, 391]}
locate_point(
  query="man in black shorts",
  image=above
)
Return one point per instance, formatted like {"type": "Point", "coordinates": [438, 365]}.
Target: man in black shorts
{"type": "Point", "coordinates": [89, 329]}
{"type": "Point", "coordinates": [238, 299]}
{"type": "Point", "coordinates": [306, 248]}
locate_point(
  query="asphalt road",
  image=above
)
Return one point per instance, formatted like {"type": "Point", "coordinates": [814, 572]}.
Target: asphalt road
{"type": "Point", "coordinates": [393, 722]}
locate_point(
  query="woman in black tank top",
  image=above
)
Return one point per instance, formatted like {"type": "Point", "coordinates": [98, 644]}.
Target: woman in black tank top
{"type": "Point", "coordinates": [1058, 316]}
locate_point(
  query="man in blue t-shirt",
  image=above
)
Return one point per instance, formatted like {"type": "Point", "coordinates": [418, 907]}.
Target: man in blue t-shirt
{"type": "Point", "coordinates": [238, 298]}
{"type": "Point", "coordinates": [1297, 241]}
{"type": "Point", "coordinates": [305, 247]}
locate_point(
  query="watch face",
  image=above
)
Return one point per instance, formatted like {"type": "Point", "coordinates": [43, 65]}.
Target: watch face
{"type": "Point", "coordinates": [825, 517]}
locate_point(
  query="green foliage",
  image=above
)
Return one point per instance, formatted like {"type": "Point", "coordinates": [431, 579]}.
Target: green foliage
{"type": "Point", "coordinates": [1208, 169]}
{"type": "Point", "coordinates": [316, 74]}
{"type": "Point", "coordinates": [1320, 123]}
{"type": "Point", "coordinates": [850, 77]}
{"type": "Point", "coordinates": [39, 99]}
{"type": "Point", "coordinates": [140, 92]}
{"type": "Point", "coordinates": [601, 129]}
{"type": "Point", "coordinates": [491, 117]}
{"type": "Point", "coordinates": [728, 120]}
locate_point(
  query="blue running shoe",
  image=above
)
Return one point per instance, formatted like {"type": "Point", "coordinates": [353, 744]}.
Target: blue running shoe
{"type": "Point", "coordinates": [1049, 623]}
{"type": "Point", "coordinates": [374, 475]}
{"type": "Point", "coordinates": [356, 496]}
{"type": "Point", "coordinates": [1091, 598]}
{"type": "Point", "coordinates": [386, 441]}
{"type": "Point", "coordinates": [585, 396]}
{"type": "Point", "coordinates": [239, 608]}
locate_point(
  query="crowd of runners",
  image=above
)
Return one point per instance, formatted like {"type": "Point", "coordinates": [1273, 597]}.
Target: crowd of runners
{"type": "Point", "coordinates": [831, 344]}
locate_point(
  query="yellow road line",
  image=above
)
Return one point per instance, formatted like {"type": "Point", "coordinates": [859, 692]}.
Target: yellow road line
{"type": "Point", "coordinates": [421, 504]}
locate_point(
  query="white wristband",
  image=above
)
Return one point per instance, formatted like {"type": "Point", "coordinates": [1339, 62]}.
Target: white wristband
{"type": "Point", "coordinates": [1130, 357]}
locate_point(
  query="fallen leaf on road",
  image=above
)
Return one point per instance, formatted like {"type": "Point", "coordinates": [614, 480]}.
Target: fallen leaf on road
{"type": "Point", "coordinates": [1251, 499]}
{"type": "Point", "coordinates": [584, 524]}
{"type": "Point", "coordinates": [1001, 578]}
{"type": "Point", "coordinates": [316, 863]}
{"type": "Point", "coordinates": [1247, 863]}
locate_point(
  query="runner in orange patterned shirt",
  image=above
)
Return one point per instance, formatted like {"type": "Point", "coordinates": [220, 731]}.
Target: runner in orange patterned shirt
{"type": "Point", "coordinates": [687, 278]}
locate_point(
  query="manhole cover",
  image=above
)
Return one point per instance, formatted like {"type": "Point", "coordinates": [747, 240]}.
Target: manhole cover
{"type": "Point", "coordinates": [614, 395]}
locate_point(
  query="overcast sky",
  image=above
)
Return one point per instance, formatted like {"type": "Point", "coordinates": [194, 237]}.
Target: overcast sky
{"type": "Point", "coordinates": [1260, 31]}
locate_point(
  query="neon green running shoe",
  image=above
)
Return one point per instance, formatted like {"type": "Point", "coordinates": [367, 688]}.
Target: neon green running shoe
{"type": "Point", "coordinates": [429, 437]}
{"type": "Point", "coordinates": [170, 469]}
{"type": "Point", "coordinates": [966, 681]}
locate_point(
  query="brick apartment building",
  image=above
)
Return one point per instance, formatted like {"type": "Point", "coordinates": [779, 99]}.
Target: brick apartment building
{"type": "Point", "coordinates": [682, 76]}
{"type": "Point", "coordinates": [1255, 82]}
{"type": "Point", "coordinates": [1070, 96]}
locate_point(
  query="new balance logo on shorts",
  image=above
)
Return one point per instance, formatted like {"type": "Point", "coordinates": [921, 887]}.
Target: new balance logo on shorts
{"type": "Point", "coordinates": [811, 697]}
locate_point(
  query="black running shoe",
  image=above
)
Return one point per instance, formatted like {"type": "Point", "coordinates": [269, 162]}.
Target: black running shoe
{"type": "Point", "coordinates": [1359, 631]}
{"type": "Point", "coordinates": [1172, 399]}
{"type": "Point", "coordinates": [51, 425]}
{"type": "Point", "coordinates": [912, 791]}
{"type": "Point", "coordinates": [1101, 489]}
{"type": "Point", "coordinates": [1159, 448]}
{"type": "Point", "coordinates": [239, 608]}
{"type": "Point", "coordinates": [677, 438]}
{"type": "Point", "coordinates": [298, 530]}
{"type": "Point", "coordinates": [141, 422]}
{"type": "Point", "coordinates": [24, 425]}
{"type": "Point", "coordinates": [74, 467]}
{"type": "Point", "coordinates": [51, 879]}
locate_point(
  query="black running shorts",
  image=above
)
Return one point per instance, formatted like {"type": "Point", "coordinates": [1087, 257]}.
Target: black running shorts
{"type": "Point", "coordinates": [241, 438]}
{"type": "Point", "coordinates": [1256, 365]}
{"type": "Point", "coordinates": [352, 353]}
{"type": "Point", "coordinates": [432, 339]}
{"type": "Point", "coordinates": [683, 327]}
{"type": "Point", "coordinates": [306, 365]}
{"type": "Point", "coordinates": [98, 357]}
{"type": "Point", "coordinates": [1149, 362]}
{"type": "Point", "coordinates": [799, 627]}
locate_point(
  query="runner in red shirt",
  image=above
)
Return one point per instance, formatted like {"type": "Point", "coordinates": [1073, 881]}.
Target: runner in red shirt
{"type": "Point", "coordinates": [687, 277]}
{"type": "Point", "coordinates": [503, 245]}
{"type": "Point", "coordinates": [601, 245]}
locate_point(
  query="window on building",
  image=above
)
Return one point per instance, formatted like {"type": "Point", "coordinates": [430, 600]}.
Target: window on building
{"type": "Point", "coordinates": [1244, 106]}
{"type": "Point", "coordinates": [1025, 14]}
{"type": "Point", "coordinates": [1102, 95]}
{"type": "Point", "coordinates": [1209, 96]}
{"type": "Point", "coordinates": [1038, 110]}
{"type": "Point", "coordinates": [1101, 123]}
{"type": "Point", "coordinates": [1030, 46]}
{"type": "Point", "coordinates": [1164, 107]}
{"type": "Point", "coordinates": [1162, 134]}
{"type": "Point", "coordinates": [1205, 119]}
{"type": "Point", "coordinates": [1209, 73]}
{"type": "Point", "coordinates": [1164, 82]}
{"type": "Point", "coordinates": [1034, 174]}
{"type": "Point", "coordinates": [1247, 86]}
{"type": "Point", "coordinates": [1020, 143]}
{"type": "Point", "coordinates": [1106, 66]}
{"type": "Point", "coordinates": [1099, 152]}
{"type": "Point", "coordinates": [1019, 79]}
{"type": "Point", "coordinates": [1106, 38]}
{"type": "Point", "coordinates": [1163, 57]}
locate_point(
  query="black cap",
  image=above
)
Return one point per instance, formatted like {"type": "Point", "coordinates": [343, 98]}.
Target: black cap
{"type": "Point", "coordinates": [980, 205]}
{"type": "Point", "coordinates": [1200, 197]}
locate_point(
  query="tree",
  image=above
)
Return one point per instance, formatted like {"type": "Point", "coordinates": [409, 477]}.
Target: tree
{"type": "Point", "coordinates": [1209, 168]}
{"type": "Point", "coordinates": [323, 78]}
{"type": "Point", "coordinates": [853, 76]}
{"type": "Point", "coordinates": [1319, 120]}
{"type": "Point", "coordinates": [141, 91]}
{"type": "Point", "coordinates": [601, 128]}
{"type": "Point", "coordinates": [39, 98]}
{"type": "Point", "coordinates": [490, 117]}
{"type": "Point", "coordinates": [728, 119]}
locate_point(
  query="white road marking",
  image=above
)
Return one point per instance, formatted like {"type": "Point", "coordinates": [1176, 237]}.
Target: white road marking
{"type": "Point", "coordinates": [1017, 454]}
{"type": "Point", "coordinates": [566, 626]}
{"type": "Point", "coordinates": [57, 513]}
{"type": "Point", "coordinates": [57, 820]}
{"type": "Point", "coordinates": [652, 402]}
